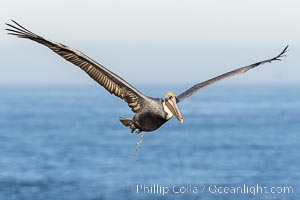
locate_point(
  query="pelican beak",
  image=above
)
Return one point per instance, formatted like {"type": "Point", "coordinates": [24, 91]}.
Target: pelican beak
{"type": "Point", "coordinates": [172, 105]}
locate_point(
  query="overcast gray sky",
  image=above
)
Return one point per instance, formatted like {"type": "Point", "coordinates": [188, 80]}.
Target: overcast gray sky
{"type": "Point", "coordinates": [161, 41]}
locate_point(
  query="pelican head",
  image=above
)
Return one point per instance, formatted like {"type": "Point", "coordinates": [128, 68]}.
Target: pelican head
{"type": "Point", "coordinates": [170, 106]}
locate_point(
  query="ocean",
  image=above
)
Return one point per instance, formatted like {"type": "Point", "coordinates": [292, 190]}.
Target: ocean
{"type": "Point", "coordinates": [66, 142]}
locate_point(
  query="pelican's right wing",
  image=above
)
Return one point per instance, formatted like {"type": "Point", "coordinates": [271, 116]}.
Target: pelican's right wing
{"type": "Point", "coordinates": [199, 86]}
{"type": "Point", "coordinates": [110, 81]}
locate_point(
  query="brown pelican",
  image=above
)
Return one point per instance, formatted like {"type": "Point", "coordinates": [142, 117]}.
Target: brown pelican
{"type": "Point", "coordinates": [150, 113]}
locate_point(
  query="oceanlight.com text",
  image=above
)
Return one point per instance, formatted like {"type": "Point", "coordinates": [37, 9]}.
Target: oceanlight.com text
{"type": "Point", "coordinates": [247, 189]}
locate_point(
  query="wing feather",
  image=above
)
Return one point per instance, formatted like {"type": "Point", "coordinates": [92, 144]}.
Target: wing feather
{"type": "Point", "coordinates": [110, 81]}
{"type": "Point", "coordinates": [241, 70]}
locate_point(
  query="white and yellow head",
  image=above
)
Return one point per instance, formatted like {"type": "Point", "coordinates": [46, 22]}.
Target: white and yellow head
{"type": "Point", "coordinates": [170, 106]}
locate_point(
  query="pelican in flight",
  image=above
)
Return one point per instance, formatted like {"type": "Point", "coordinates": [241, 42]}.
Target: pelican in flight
{"type": "Point", "coordinates": [150, 113]}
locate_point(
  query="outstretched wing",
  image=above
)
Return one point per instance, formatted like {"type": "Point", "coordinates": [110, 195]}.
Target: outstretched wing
{"type": "Point", "coordinates": [110, 81]}
{"type": "Point", "coordinates": [198, 86]}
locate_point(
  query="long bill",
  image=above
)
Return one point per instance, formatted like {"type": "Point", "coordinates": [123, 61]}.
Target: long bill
{"type": "Point", "coordinates": [172, 105]}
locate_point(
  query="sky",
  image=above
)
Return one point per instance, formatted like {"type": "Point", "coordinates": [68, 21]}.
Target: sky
{"type": "Point", "coordinates": [153, 42]}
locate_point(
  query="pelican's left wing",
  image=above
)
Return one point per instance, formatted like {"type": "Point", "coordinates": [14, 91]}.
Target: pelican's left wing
{"type": "Point", "coordinates": [199, 86]}
{"type": "Point", "coordinates": [110, 81]}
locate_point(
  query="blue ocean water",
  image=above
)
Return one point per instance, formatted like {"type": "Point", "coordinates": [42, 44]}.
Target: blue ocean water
{"type": "Point", "coordinates": [67, 143]}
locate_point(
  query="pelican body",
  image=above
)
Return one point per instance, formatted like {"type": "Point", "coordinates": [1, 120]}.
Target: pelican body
{"type": "Point", "coordinates": [150, 113]}
{"type": "Point", "coordinates": [154, 114]}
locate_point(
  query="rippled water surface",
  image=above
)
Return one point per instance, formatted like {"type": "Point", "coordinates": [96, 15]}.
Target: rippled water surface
{"type": "Point", "coordinates": [67, 143]}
